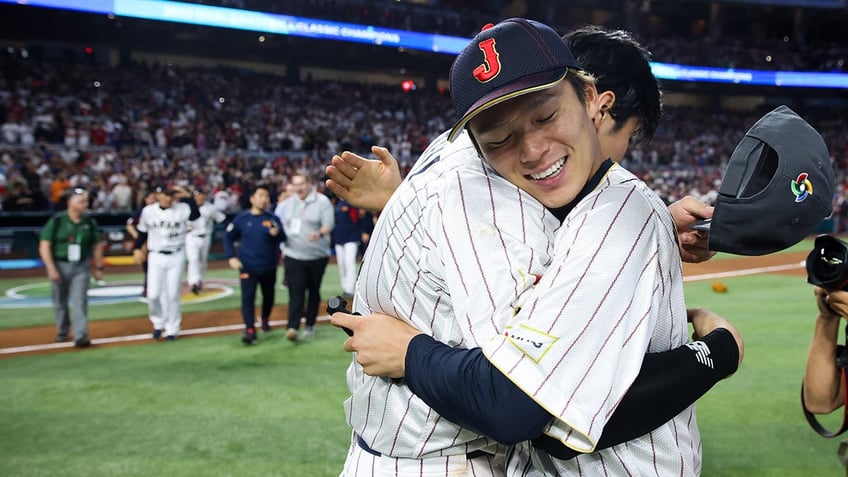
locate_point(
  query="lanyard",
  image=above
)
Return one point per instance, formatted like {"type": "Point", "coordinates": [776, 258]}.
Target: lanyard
{"type": "Point", "coordinates": [811, 418]}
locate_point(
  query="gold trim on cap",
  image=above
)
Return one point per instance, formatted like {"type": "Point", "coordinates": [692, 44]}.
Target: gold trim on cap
{"type": "Point", "coordinates": [457, 128]}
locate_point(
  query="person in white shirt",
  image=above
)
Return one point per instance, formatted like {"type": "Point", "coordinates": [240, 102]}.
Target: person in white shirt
{"type": "Point", "coordinates": [199, 239]}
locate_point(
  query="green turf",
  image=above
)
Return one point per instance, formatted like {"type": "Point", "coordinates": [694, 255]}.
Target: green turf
{"type": "Point", "coordinates": [752, 423]}
{"type": "Point", "coordinates": [195, 407]}
{"type": "Point", "coordinates": [210, 406]}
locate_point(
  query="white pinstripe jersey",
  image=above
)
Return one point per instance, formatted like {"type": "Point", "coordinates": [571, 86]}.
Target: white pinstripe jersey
{"type": "Point", "coordinates": [613, 292]}
{"type": "Point", "coordinates": [166, 228]}
{"type": "Point", "coordinates": [455, 246]}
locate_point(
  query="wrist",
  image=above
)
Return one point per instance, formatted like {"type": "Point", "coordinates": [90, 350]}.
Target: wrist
{"type": "Point", "coordinates": [828, 316]}
{"type": "Point", "coordinates": [724, 351]}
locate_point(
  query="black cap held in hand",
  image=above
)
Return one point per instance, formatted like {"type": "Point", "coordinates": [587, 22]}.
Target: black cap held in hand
{"type": "Point", "coordinates": [777, 187]}
{"type": "Point", "coordinates": [514, 57]}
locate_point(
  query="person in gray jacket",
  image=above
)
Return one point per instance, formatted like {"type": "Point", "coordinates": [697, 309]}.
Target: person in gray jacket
{"type": "Point", "coordinates": [308, 219]}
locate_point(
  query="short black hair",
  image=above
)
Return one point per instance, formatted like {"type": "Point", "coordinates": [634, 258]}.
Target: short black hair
{"type": "Point", "coordinates": [621, 65]}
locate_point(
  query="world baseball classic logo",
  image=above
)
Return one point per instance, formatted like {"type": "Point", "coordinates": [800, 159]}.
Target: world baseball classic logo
{"type": "Point", "coordinates": [802, 187]}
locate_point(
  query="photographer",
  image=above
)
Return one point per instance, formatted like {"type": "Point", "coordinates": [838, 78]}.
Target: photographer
{"type": "Point", "coordinates": [824, 386]}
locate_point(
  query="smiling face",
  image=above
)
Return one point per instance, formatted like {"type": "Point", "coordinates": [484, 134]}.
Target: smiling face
{"type": "Point", "coordinates": [545, 143]}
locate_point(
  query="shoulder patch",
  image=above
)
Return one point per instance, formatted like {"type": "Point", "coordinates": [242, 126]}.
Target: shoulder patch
{"type": "Point", "coordinates": [533, 343]}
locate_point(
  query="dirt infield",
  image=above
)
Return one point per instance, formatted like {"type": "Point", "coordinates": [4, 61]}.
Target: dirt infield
{"type": "Point", "coordinates": [787, 263]}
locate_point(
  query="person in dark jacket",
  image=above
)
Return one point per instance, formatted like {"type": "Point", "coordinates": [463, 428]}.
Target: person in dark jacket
{"type": "Point", "coordinates": [259, 234]}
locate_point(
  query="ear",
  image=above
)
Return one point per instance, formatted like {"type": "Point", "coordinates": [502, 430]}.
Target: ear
{"type": "Point", "coordinates": [593, 104]}
{"type": "Point", "coordinates": [607, 99]}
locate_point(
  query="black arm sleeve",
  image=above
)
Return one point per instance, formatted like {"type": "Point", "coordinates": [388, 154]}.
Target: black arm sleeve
{"type": "Point", "coordinates": [139, 241]}
{"type": "Point", "coordinates": [464, 387]}
{"type": "Point", "coordinates": [195, 211]}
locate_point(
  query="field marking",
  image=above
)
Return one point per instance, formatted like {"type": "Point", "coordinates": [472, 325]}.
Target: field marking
{"type": "Point", "coordinates": [323, 318]}
{"type": "Point", "coordinates": [140, 337]}
{"type": "Point", "coordinates": [743, 272]}
{"type": "Point", "coordinates": [16, 298]}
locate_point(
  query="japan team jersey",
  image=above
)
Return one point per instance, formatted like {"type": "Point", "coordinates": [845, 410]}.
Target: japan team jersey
{"type": "Point", "coordinates": [166, 228]}
{"type": "Point", "coordinates": [613, 292]}
{"type": "Point", "coordinates": [204, 225]}
{"type": "Point", "coordinates": [454, 253]}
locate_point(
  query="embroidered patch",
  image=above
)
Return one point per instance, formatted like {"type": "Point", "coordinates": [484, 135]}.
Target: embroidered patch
{"type": "Point", "coordinates": [532, 342]}
{"type": "Point", "coordinates": [802, 187]}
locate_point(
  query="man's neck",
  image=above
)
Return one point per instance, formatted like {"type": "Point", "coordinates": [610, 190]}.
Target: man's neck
{"type": "Point", "coordinates": [255, 211]}
{"type": "Point", "coordinates": [74, 215]}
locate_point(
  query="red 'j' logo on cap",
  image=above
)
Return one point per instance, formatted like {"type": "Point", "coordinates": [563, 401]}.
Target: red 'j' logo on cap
{"type": "Point", "coordinates": [491, 66]}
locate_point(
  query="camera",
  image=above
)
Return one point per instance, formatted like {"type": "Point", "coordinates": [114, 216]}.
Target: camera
{"type": "Point", "coordinates": [827, 264]}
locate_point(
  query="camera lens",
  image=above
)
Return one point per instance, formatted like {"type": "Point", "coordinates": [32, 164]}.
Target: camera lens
{"type": "Point", "coordinates": [827, 263]}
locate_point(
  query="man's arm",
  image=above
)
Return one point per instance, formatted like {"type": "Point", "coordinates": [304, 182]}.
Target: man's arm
{"type": "Point", "coordinates": [45, 250]}
{"type": "Point", "coordinates": [46, 253]}
{"type": "Point", "coordinates": [232, 234]}
{"type": "Point", "coordinates": [822, 388]}
{"type": "Point", "coordinates": [464, 387]}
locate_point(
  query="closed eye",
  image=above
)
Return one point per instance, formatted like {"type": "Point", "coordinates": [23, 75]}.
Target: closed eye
{"type": "Point", "coordinates": [546, 119]}
{"type": "Point", "coordinates": [497, 144]}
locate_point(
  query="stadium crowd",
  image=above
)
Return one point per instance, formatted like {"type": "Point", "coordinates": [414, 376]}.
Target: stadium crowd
{"type": "Point", "coordinates": [119, 132]}
{"type": "Point", "coordinates": [463, 18]}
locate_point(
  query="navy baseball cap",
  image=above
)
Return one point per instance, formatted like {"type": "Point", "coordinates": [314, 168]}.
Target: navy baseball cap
{"type": "Point", "coordinates": [777, 187]}
{"type": "Point", "coordinates": [514, 57]}
{"type": "Point", "coordinates": [165, 188]}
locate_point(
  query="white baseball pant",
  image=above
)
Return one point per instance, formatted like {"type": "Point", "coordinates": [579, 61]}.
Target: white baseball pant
{"type": "Point", "coordinates": [164, 286]}
{"type": "Point", "coordinates": [197, 253]}
{"type": "Point", "coordinates": [362, 463]}
{"type": "Point", "coordinates": [346, 259]}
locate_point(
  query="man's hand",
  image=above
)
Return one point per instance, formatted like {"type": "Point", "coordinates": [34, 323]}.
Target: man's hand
{"type": "Point", "coordinates": [832, 305]}
{"type": "Point", "coordinates": [98, 274]}
{"type": "Point", "coordinates": [364, 183]}
{"type": "Point", "coordinates": [705, 321]}
{"type": "Point", "coordinates": [53, 274]}
{"type": "Point", "coordinates": [235, 263]}
{"type": "Point", "coordinates": [379, 341]}
{"type": "Point", "coordinates": [693, 243]}
{"type": "Point", "coordinates": [138, 256]}
{"type": "Point", "coordinates": [274, 230]}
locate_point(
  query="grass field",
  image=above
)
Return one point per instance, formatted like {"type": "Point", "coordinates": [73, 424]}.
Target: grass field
{"type": "Point", "coordinates": [213, 407]}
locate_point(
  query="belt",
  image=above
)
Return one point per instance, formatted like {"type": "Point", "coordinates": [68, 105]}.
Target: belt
{"type": "Point", "coordinates": [168, 252]}
{"type": "Point", "coordinates": [362, 445]}
{"type": "Point", "coordinates": [201, 236]}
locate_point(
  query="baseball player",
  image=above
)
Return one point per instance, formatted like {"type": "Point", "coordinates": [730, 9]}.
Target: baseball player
{"type": "Point", "coordinates": [260, 233]}
{"type": "Point", "coordinates": [132, 223]}
{"type": "Point", "coordinates": [199, 239]}
{"type": "Point", "coordinates": [162, 226]}
{"type": "Point", "coordinates": [348, 235]}
{"type": "Point", "coordinates": [492, 262]}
